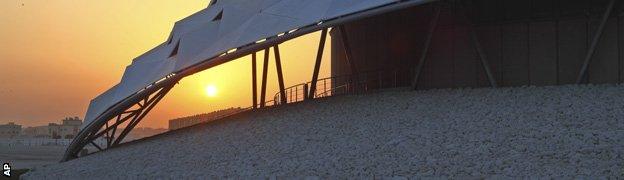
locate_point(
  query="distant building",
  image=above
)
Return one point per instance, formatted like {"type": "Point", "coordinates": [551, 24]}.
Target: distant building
{"type": "Point", "coordinates": [68, 129]}
{"type": "Point", "coordinates": [192, 120]}
{"type": "Point", "coordinates": [39, 131]}
{"type": "Point", "coordinates": [10, 130]}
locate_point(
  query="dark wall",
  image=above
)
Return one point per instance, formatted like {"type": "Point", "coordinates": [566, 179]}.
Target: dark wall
{"type": "Point", "coordinates": [527, 42]}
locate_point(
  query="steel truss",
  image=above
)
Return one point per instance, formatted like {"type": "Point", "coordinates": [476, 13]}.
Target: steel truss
{"type": "Point", "coordinates": [128, 119]}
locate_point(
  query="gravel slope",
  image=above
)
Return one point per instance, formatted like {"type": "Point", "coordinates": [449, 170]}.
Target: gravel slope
{"type": "Point", "coordinates": [528, 131]}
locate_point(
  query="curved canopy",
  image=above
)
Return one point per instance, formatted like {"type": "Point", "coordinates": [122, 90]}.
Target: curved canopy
{"type": "Point", "coordinates": [224, 26]}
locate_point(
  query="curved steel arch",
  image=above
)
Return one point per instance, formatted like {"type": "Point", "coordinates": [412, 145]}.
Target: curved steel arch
{"type": "Point", "coordinates": [134, 108]}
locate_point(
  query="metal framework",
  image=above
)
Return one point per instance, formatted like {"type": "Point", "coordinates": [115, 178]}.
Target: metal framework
{"type": "Point", "coordinates": [254, 86]}
{"type": "Point", "coordinates": [265, 69]}
{"type": "Point", "coordinates": [596, 40]}
{"type": "Point", "coordinates": [473, 37]}
{"type": "Point", "coordinates": [477, 45]}
{"type": "Point", "coordinates": [317, 65]}
{"type": "Point", "coordinates": [132, 109]}
{"type": "Point", "coordinates": [130, 117]}
{"type": "Point", "coordinates": [425, 52]}
{"type": "Point", "coordinates": [280, 75]}
{"type": "Point", "coordinates": [348, 53]}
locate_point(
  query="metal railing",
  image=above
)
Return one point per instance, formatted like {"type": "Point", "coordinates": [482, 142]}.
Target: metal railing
{"type": "Point", "coordinates": [340, 85]}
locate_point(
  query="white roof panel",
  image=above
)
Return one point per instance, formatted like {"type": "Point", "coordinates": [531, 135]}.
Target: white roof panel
{"type": "Point", "coordinates": [99, 105]}
{"type": "Point", "coordinates": [265, 25]}
{"type": "Point", "coordinates": [195, 21]}
{"type": "Point", "coordinates": [140, 75]}
{"type": "Point", "coordinates": [160, 52]}
{"type": "Point", "coordinates": [220, 45]}
{"type": "Point", "coordinates": [195, 42]}
{"type": "Point", "coordinates": [307, 12]}
{"type": "Point", "coordinates": [233, 18]}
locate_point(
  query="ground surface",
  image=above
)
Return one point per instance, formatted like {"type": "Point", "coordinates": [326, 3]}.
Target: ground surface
{"type": "Point", "coordinates": [24, 157]}
{"type": "Point", "coordinates": [546, 131]}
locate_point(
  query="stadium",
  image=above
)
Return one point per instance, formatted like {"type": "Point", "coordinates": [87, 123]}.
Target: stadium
{"type": "Point", "coordinates": [409, 78]}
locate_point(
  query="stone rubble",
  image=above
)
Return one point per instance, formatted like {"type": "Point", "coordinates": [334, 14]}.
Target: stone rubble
{"type": "Point", "coordinates": [560, 131]}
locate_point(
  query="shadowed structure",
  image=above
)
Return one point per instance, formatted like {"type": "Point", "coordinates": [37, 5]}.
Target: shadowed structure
{"type": "Point", "coordinates": [537, 42]}
{"type": "Point", "coordinates": [444, 44]}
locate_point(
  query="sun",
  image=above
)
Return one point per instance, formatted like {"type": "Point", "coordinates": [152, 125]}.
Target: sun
{"type": "Point", "coordinates": [211, 91]}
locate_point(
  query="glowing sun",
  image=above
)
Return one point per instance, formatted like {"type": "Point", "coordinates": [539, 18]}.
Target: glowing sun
{"type": "Point", "coordinates": [211, 91]}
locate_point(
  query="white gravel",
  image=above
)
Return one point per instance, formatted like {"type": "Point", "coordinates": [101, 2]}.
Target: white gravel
{"type": "Point", "coordinates": [485, 133]}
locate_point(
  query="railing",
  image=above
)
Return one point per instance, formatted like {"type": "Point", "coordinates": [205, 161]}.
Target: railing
{"type": "Point", "coordinates": [330, 86]}
{"type": "Point", "coordinates": [339, 85]}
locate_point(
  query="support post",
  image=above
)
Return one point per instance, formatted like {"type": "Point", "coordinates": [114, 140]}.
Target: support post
{"type": "Point", "coordinates": [595, 42]}
{"type": "Point", "coordinates": [349, 55]}
{"type": "Point", "coordinates": [432, 27]}
{"type": "Point", "coordinates": [305, 92]}
{"type": "Point", "coordinates": [115, 129]}
{"type": "Point", "coordinates": [317, 65]}
{"type": "Point", "coordinates": [483, 57]}
{"type": "Point", "coordinates": [479, 49]}
{"type": "Point", "coordinates": [280, 76]}
{"type": "Point", "coordinates": [254, 82]}
{"type": "Point", "coordinates": [265, 68]}
{"type": "Point", "coordinates": [151, 104]}
{"type": "Point", "coordinates": [108, 141]}
{"type": "Point", "coordinates": [96, 146]}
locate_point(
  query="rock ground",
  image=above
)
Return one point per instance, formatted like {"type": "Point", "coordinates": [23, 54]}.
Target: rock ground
{"type": "Point", "coordinates": [559, 131]}
{"type": "Point", "coordinates": [26, 157]}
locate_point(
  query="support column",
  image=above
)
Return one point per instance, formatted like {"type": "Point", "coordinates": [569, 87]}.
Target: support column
{"type": "Point", "coordinates": [349, 55]}
{"type": "Point", "coordinates": [479, 48]}
{"type": "Point", "coordinates": [280, 76]}
{"type": "Point", "coordinates": [595, 42]}
{"type": "Point", "coordinates": [148, 107]}
{"type": "Point", "coordinates": [265, 68]}
{"type": "Point", "coordinates": [254, 83]}
{"type": "Point", "coordinates": [425, 52]}
{"type": "Point", "coordinates": [317, 66]}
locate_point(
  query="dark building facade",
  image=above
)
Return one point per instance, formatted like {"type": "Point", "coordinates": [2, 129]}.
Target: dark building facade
{"type": "Point", "coordinates": [525, 42]}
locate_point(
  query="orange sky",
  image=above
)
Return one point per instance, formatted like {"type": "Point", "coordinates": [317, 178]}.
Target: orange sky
{"type": "Point", "coordinates": [55, 56]}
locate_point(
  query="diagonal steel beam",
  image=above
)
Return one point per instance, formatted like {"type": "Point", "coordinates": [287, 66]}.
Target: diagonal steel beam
{"type": "Point", "coordinates": [150, 104]}
{"type": "Point", "coordinates": [280, 75]}
{"type": "Point", "coordinates": [421, 63]}
{"type": "Point", "coordinates": [265, 69]}
{"type": "Point", "coordinates": [317, 65]}
{"type": "Point", "coordinates": [349, 55]}
{"type": "Point", "coordinates": [595, 42]}
{"type": "Point", "coordinates": [96, 146]}
{"type": "Point", "coordinates": [254, 83]}
{"type": "Point", "coordinates": [107, 136]}
{"type": "Point", "coordinates": [477, 45]}
{"type": "Point", "coordinates": [120, 120]}
{"type": "Point", "coordinates": [94, 135]}
{"type": "Point", "coordinates": [115, 129]}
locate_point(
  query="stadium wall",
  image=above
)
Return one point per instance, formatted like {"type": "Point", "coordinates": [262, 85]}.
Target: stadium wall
{"type": "Point", "coordinates": [527, 42]}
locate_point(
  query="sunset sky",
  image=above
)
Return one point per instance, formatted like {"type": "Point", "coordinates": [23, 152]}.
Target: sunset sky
{"type": "Point", "coordinates": [56, 56]}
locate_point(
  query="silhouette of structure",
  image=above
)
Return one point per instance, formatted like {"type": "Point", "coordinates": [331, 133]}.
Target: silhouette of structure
{"type": "Point", "coordinates": [421, 43]}
{"type": "Point", "coordinates": [483, 43]}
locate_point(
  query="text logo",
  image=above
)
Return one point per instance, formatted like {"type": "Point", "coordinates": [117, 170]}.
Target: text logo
{"type": "Point", "coordinates": [6, 170]}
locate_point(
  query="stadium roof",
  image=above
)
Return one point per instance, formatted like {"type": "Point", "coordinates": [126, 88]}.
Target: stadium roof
{"type": "Point", "coordinates": [222, 28]}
